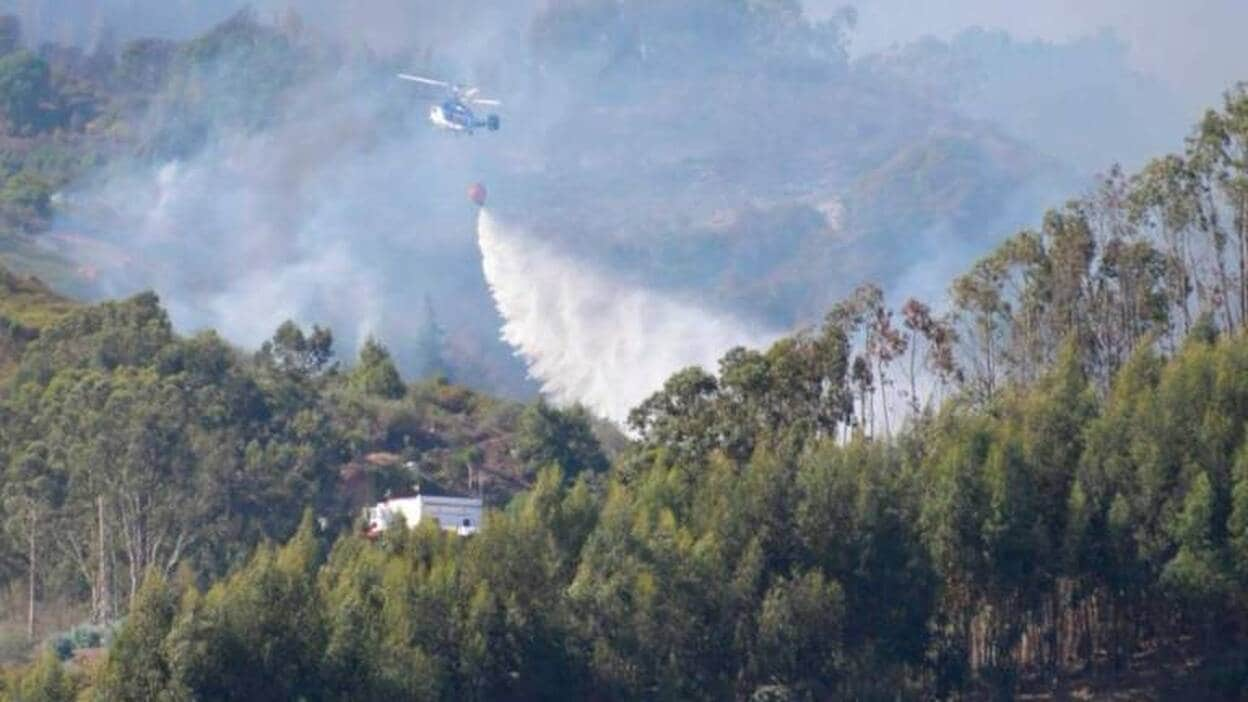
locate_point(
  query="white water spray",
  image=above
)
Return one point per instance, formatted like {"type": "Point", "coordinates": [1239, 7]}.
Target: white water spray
{"type": "Point", "coordinates": [591, 339]}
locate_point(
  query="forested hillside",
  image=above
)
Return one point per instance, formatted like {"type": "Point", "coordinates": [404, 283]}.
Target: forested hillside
{"type": "Point", "coordinates": [1036, 487]}
{"type": "Point", "coordinates": [274, 163]}
{"type": "Point", "coordinates": [1058, 537]}
{"type": "Point", "coordinates": [740, 551]}
{"type": "Point", "coordinates": [1044, 491]}
{"type": "Point", "coordinates": [130, 449]}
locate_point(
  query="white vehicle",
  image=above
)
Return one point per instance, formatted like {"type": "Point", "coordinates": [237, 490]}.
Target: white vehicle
{"type": "Point", "coordinates": [455, 114]}
{"type": "Point", "coordinates": [461, 515]}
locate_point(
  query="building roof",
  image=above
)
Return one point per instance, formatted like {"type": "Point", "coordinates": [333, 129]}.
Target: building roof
{"type": "Point", "coordinates": [447, 500]}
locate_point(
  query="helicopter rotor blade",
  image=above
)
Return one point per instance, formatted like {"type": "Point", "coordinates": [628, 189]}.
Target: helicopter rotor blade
{"type": "Point", "coordinates": [486, 101]}
{"type": "Point", "coordinates": [426, 81]}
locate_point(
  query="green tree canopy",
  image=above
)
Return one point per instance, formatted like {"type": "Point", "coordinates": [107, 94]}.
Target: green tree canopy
{"type": "Point", "coordinates": [564, 438]}
{"type": "Point", "coordinates": [374, 373]}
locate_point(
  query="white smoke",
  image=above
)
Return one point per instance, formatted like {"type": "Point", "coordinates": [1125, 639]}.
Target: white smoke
{"type": "Point", "coordinates": [589, 338]}
{"type": "Point", "coordinates": [344, 210]}
{"type": "Point", "coordinates": [240, 238]}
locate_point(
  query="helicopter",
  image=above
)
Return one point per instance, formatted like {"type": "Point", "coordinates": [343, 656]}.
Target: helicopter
{"type": "Point", "coordinates": [454, 113]}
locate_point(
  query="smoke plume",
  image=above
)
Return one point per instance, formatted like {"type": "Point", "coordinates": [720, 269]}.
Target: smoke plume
{"type": "Point", "coordinates": [676, 159]}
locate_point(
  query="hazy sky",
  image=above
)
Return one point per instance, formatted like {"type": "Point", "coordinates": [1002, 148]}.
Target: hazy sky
{"type": "Point", "coordinates": [1196, 46]}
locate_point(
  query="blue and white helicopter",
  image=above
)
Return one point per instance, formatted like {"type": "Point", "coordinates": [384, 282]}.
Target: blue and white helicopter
{"type": "Point", "coordinates": [454, 113]}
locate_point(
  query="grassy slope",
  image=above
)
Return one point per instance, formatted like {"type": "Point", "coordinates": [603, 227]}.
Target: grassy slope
{"type": "Point", "coordinates": [28, 301]}
{"type": "Point", "coordinates": [27, 305]}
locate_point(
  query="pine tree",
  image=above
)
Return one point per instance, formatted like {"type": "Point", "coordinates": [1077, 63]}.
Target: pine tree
{"type": "Point", "coordinates": [375, 374]}
{"type": "Point", "coordinates": [430, 347]}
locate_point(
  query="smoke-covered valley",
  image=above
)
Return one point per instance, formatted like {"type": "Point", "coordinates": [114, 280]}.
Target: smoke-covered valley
{"type": "Point", "coordinates": [725, 168]}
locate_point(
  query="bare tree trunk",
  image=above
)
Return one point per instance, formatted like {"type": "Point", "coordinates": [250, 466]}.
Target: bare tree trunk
{"type": "Point", "coordinates": [1224, 281]}
{"type": "Point", "coordinates": [1242, 226]}
{"type": "Point", "coordinates": [871, 414]}
{"type": "Point", "coordinates": [176, 554]}
{"type": "Point", "coordinates": [879, 370]}
{"type": "Point", "coordinates": [130, 509]}
{"type": "Point", "coordinates": [914, 393]}
{"type": "Point", "coordinates": [992, 381]}
{"type": "Point", "coordinates": [113, 588]}
{"type": "Point", "coordinates": [30, 611]}
{"type": "Point", "coordinates": [104, 596]}
{"type": "Point", "coordinates": [145, 542]}
{"type": "Point", "coordinates": [1189, 270]}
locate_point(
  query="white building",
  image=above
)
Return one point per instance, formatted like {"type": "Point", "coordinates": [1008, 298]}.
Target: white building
{"type": "Point", "coordinates": [461, 515]}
